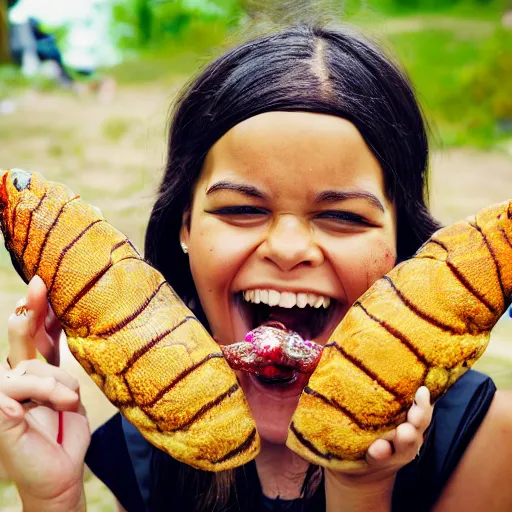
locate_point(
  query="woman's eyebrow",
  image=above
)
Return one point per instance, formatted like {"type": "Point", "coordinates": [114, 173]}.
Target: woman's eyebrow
{"type": "Point", "coordinates": [331, 196]}
{"type": "Point", "coordinates": [248, 190]}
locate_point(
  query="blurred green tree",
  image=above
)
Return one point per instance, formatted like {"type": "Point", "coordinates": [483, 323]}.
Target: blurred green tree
{"type": "Point", "coordinates": [139, 23]}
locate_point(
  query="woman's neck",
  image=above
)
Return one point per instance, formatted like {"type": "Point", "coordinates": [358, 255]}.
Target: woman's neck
{"type": "Point", "coordinates": [281, 472]}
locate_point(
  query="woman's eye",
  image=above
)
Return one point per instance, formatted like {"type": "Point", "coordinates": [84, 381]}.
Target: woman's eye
{"type": "Point", "coordinates": [342, 216]}
{"type": "Point", "coordinates": [238, 210]}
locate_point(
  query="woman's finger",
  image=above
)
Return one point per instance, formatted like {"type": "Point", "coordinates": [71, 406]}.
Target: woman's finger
{"type": "Point", "coordinates": [48, 390]}
{"type": "Point", "coordinates": [39, 368]}
{"type": "Point", "coordinates": [420, 414]}
{"type": "Point", "coordinates": [378, 452]}
{"type": "Point", "coordinates": [21, 344]}
{"type": "Point", "coordinates": [23, 324]}
{"type": "Point", "coordinates": [45, 327]}
{"type": "Point", "coordinates": [407, 441]}
{"type": "Point", "coordinates": [422, 397]}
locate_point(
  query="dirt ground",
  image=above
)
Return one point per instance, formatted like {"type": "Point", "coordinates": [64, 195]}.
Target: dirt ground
{"type": "Point", "coordinates": [112, 154]}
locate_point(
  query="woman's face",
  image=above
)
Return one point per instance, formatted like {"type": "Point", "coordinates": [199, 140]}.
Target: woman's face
{"type": "Point", "coordinates": [290, 209]}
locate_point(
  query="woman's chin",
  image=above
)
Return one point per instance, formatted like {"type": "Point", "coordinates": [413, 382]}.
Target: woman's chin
{"type": "Point", "coordinates": [272, 406]}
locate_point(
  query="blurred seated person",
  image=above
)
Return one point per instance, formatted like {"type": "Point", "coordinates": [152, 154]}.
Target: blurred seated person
{"type": "Point", "coordinates": [30, 45]}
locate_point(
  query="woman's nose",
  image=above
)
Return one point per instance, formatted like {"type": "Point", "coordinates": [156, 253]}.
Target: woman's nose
{"type": "Point", "coordinates": [290, 243]}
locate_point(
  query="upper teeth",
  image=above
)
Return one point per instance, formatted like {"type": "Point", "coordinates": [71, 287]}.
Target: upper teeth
{"type": "Point", "coordinates": [286, 299]}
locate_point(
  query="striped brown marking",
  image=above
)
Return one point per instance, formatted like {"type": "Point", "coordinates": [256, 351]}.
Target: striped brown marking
{"type": "Point", "coordinates": [119, 404]}
{"type": "Point", "coordinates": [397, 334]}
{"type": "Point", "coordinates": [493, 256]}
{"type": "Point", "coordinates": [133, 403]}
{"type": "Point", "coordinates": [125, 321]}
{"type": "Point", "coordinates": [207, 407]}
{"type": "Point", "coordinates": [365, 370]}
{"type": "Point", "coordinates": [438, 242]}
{"type": "Point", "coordinates": [500, 228]}
{"type": "Point", "coordinates": [180, 377]}
{"type": "Point", "coordinates": [242, 448]}
{"type": "Point", "coordinates": [50, 229]}
{"type": "Point", "coordinates": [85, 290]}
{"type": "Point", "coordinates": [310, 446]}
{"type": "Point", "coordinates": [67, 248]}
{"type": "Point", "coordinates": [25, 244]}
{"type": "Point", "coordinates": [465, 282]}
{"type": "Point", "coordinates": [133, 247]}
{"type": "Point", "coordinates": [361, 424]}
{"type": "Point", "coordinates": [150, 344]}
{"type": "Point", "coordinates": [420, 313]}
{"type": "Point", "coordinates": [119, 244]}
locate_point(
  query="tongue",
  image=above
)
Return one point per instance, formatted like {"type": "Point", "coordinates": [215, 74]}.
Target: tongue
{"type": "Point", "coordinates": [290, 319]}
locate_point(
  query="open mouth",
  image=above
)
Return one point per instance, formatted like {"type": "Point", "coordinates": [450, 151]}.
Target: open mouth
{"type": "Point", "coordinates": [307, 314]}
{"type": "Point", "coordinates": [310, 316]}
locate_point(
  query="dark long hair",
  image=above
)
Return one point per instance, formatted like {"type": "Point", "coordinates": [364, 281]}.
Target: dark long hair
{"type": "Point", "coordinates": [305, 68]}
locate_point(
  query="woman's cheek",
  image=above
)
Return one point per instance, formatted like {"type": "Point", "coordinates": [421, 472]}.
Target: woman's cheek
{"type": "Point", "coordinates": [378, 261]}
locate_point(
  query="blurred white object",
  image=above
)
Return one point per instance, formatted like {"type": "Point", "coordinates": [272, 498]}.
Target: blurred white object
{"type": "Point", "coordinates": [50, 69]}
{"type": "Point", "coordinates": [88, 44]}
{"type": "Point", "coordinates": [30, 63]}
{"type": "Point", "coordinates": [7, 107]}
{"type": "Point", "coordinates": [506, 20]}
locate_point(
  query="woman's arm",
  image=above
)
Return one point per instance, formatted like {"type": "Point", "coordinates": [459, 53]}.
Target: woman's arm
{"type": "Point", "coordinates": [371, 489]}
{"type": "Point", "coordinates": [482, 480]}
{"type": "Point", "coordinates": [358, 497]}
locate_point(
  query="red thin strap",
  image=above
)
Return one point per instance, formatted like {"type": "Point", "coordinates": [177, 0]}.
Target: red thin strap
{"type": "Point", "coordinates": [60, 434]}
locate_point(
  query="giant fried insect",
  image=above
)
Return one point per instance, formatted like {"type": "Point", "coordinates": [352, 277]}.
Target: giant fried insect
{"type": "Point", "coordinates": [424, 323]}
{"type": "Point", "coordinates": [126, 326]}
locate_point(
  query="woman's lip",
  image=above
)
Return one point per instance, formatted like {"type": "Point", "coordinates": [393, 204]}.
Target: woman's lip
{"type": "Point", "coordinates": [279, 391]}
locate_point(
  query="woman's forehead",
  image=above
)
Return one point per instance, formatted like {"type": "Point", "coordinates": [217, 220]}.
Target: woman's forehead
{"type": "Point", "coordinates": [274, 148]}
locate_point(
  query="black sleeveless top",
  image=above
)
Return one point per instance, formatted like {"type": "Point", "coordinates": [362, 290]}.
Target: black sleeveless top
{"type": "Point", "coordinates": [121, 458]}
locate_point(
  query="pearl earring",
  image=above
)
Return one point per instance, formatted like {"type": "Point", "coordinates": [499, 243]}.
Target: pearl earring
{"type": "Point", "coordinates": [184, 247]}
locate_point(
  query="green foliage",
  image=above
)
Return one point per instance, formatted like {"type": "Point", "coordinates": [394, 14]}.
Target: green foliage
{"type": "Point", "coordinates": [489, 80]}
{"type": "Point", "coordinates": [467, 8]}
{"type": "Point", "coordinates": [141, 23]}
{"type": "Point", "coordinates": [463, 82]}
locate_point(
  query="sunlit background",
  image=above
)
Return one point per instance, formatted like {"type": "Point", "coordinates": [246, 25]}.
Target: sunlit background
{"type": "Point", "coordinates": [101, 127]}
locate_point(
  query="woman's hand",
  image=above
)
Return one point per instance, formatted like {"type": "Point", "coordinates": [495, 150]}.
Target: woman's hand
{"type": "Point", "coordinates": [43, 430]}
{"type": "Point", "coordinates": [370, 488]}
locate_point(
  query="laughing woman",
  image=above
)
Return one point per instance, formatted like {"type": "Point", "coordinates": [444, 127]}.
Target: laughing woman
{"type": "Point", "coordinates": [296, 177]}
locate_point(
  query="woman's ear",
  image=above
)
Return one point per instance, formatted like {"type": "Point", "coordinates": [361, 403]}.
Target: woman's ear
{"type": "Point", "coordinates": [185, 230]}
